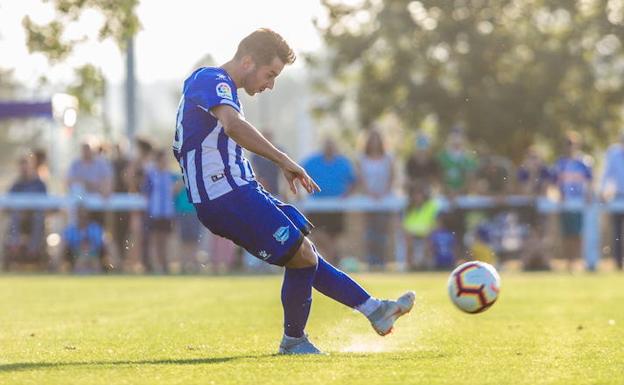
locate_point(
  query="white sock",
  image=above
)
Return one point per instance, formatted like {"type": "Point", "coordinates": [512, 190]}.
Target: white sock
{"type": "Point", "coordinates": [369, 306]}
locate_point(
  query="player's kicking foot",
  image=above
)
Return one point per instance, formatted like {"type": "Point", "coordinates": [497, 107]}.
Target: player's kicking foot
{"type": "Point", "coordinates": [301, 345]}
{"type": "Point", "coordinates": [388, 312]}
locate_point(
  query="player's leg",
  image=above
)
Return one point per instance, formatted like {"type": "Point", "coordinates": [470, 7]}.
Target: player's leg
{"type": "Point", "coordinates": [297, 290]}
{"type": "Point", "coordinates": [297, 300]}
{"type": "Point", "coordinates": [339, 286]}
{"type": "Point", "coordinates": [252, 220]}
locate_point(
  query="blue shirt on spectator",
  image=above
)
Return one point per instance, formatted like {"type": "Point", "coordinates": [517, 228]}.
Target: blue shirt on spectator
{"type": "Point", "coordinates": [158, 187]}
{"type": "Point", "coordinates": [573, 176]}
{"type": "Point", "coordinates": [28, 186]}
{"type": "Point", "coordinates": [87, 240]}
{"type": "Point", "coordinates": [91, 174]}
{"type": "Point", "coordinates": [34, 218]}
{"type": "Point", "coordinates": [442, 243]}
{"type": "Point", "coordinates": [614, 169]}
{"type": "Point", "coordinates": [334, 176]}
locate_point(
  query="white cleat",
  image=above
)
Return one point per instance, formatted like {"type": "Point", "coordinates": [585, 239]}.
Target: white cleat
{"type": "Point", "coordinates": [385, 316]}
{"type": "Point", "coordinates": [301, 345]}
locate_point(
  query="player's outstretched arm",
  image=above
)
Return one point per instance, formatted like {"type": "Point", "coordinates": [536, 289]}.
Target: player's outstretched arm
{"type": "Point", "coordinates": [248, 137]}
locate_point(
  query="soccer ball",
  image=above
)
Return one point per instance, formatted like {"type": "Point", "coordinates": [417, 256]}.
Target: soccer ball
{"type": "Point", "coordinates": [473, 286]}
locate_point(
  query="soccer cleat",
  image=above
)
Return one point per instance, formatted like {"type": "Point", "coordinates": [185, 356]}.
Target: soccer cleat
{"type": "Point", "coordinates": [385, 316]}
{"type": "Point", "coordinates": [301, 345]}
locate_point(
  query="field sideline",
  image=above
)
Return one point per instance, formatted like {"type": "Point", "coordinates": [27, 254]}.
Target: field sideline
{"type": "Point", "coordinates": [545, 329]}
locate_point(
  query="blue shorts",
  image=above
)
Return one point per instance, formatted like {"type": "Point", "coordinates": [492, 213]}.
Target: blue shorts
{"type": "Point", "coordinates": [253, 219]}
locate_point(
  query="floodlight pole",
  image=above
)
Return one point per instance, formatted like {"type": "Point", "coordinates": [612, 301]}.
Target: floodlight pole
{"type": "Point", "coordinates": [131, 117]}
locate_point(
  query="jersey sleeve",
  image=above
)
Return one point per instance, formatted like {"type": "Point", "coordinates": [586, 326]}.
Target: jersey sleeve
{"type": "Point", "coordinates": [208, 89]}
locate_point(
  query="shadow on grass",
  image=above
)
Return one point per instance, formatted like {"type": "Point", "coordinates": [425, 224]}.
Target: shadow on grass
{"type": "Point", "coordinates": [25, 366]}
{"type": "Point", "coordinates": [21, 366]}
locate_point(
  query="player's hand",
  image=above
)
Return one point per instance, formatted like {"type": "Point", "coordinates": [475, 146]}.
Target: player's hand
{"type": "Point", "coordinates": [293, 172]}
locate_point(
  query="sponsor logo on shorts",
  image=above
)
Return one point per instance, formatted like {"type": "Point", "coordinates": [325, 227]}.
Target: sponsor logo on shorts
{"type": "Point", "coordinates": [217, 177]}
{"type": "Point", "coordinates": [282, 234]}
{"type": "Point", "coordinates": [264, 255]}
{"type": "Point", "coordinates": [224, 91]}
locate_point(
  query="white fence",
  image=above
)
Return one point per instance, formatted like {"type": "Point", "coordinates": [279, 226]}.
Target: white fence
{"type": "Point", "coordinates": [355, 203]}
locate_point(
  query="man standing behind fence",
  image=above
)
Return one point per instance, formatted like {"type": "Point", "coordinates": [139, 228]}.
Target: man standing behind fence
{"type": "Point", "coordinates": [612, 188]}
{"type": "Point", "coordinates": [573, 175]}
{"type": "Point", "coordinates": [158, 187]}
{"type": "Point", "coordinates": [335, 175]}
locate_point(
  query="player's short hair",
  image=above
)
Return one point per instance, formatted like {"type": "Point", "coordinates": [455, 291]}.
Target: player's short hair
{"type": "Point", "coordinates": [264, 45]}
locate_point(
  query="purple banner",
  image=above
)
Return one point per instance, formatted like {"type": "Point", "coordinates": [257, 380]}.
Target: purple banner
{"type": "Point", "coordinates": [10, 110]}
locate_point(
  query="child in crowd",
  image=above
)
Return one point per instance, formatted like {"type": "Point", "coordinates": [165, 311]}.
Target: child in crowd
{"type": "Point", "coordinates": [418, 222]}
{"type": "Point", "coordinates": [442, 245]}
{"type": "Point", "coordinates": [84, 244]}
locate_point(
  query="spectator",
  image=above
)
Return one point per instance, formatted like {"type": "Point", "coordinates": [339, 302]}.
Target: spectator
{"type": "Point", "coordinates": [418, 223]}
{"type": "Point", "coordinates": [90, 173]}
{"type": "Point", "coordinates": [533, 174]}
{"type": "Point", "coordinates": [481, 246]}
{"type": "Point", "coordinates": [121, 184]}
{"type": "Point", "coordinates": [492, 178]}
{"type": "Point", "coordinates": [334, 173]}
{"type": "Point", "coordinates": [142, 163]}
{"type": "Point", "coordinates": [84, 244]}
{"type": "Point", "coordinates": [159, 191]}
{"type": "Point", "coordinates": [25, 241]}
{"type": "Point", "coordinates": [267, 172]}
{"type": "Point", "coordinates": [41, 164]}
{"type": "Point", "coordinates": [442, 245]}
{"type": "Point", "coordinates": [188, 226]}
{"type": "Point", "coordinates": [375, 169]}
{"type": "Point", "coordinates": [612, 188]}
{"type": "Point", "coordinates": [138, 170]}
{"type": "Point", "coordinates": [422, 168]}
{"type": "Point", "coordinates": [533, 177]}
{"type": "Point", "coordinates": [457, 165]}
{"type": "Point", "coordinates": [493, 175]}
{"type": "Point", "coordinates": [573, 176]}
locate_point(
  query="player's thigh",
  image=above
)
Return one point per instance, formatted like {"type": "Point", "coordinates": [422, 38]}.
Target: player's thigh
{"type": "Point", "coordinates": [254, 222]}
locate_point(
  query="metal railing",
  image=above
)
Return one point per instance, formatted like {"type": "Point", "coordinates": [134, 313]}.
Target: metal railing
{"type": "Point", "coordinates": [355, 203]}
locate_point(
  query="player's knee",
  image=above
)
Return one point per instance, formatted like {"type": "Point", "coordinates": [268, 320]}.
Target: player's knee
{"type": "Point", "coordinates": [305, 256]}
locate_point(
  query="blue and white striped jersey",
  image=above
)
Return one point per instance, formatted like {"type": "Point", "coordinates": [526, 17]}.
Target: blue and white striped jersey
{"type": "Point", "coordinates": [212, 163]}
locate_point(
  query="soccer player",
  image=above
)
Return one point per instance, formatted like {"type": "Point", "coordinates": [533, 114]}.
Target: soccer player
{"type": "Point", "coordinates": [210, 134]}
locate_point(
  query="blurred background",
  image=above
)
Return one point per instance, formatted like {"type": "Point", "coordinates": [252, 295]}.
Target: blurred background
{"type": "Point", "coordinates": [439, 132]}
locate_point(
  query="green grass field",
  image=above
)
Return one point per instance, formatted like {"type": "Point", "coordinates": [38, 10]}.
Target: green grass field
{"type": "Point", "coordinates": [545, 329]}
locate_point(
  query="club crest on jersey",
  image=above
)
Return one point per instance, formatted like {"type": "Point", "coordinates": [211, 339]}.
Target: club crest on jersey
{"type": "Point", "coordinates": [224, 91]}
{"type": "Point", "coordinates": [282, 234]}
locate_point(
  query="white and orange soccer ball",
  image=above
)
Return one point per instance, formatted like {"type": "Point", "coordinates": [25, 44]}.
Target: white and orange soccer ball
{"type": "Point", "coordinates": [474, 286]}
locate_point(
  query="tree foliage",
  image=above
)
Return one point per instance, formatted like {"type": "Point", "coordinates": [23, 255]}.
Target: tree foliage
{"type": "Point", "coordinates": [509, 71]}
{"type": "Point", "coordinates": [120, 23]}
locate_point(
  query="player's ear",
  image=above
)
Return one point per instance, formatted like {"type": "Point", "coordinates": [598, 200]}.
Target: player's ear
{"type": "Point", "coordinates": [248, 63]}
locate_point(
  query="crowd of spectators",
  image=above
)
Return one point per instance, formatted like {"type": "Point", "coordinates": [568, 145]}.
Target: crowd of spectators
{"type": "Point", "coordinates": [167, 237]}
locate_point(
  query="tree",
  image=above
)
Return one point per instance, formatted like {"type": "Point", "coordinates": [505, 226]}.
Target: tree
{"type": "Point", "coordinates": [120, 23]}
{"type": "Point", "coordinates": [511, 72]}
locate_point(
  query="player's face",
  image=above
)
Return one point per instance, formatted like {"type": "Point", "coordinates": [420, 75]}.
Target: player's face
{"type": "Point", "coordinates": [262, 77]}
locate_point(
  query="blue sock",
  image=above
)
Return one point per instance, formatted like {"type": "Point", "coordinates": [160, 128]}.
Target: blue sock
{"type": "Point", "coordinates": [297, 299]}
{"type": "Point", "coordinates": [337, 285]}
